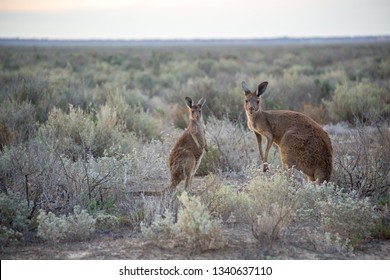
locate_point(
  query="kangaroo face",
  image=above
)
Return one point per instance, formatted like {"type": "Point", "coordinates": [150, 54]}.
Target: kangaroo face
{"type": "Point", "coordinates": [252, 99]}
{"type": "Point", "coordinates": [195, 110]}
{"type": "Point", "coordinates": [252, 103]}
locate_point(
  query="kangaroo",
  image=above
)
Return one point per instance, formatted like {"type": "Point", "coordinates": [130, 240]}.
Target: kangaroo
{"type": "Point", "coordinates": [302, 142]}
{"type": "Point", "coordinates": [187, 153]}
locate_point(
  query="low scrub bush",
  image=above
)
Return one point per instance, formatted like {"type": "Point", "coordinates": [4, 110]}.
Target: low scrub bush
{"type": "Point", "coordinates": [106, 222]}
{"type": "Point", "coordinates": [362, 160]}
{"type": "Point", "coordinates": [272, 208]}
{"type": "Point", "coordinates": [344, 217]}
{"type": "Point", "coordinates": [358, 101]}
{"type": "Point", "coordinates": [14, 217]}
{"type": "Point", "coordinates": [194, 229]}
{"type": "Point", "coordinates": [73, 227]}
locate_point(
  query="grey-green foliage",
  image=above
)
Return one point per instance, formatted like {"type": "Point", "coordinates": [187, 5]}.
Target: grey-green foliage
{"type": "Point", "coordinates": [14, 217]}
{"type": "Point", "coordinates": [194, 229]}
{"type": "Point", "coordinates": [74, 227]}
{"type": "Point", "coordinates": [363, 100]}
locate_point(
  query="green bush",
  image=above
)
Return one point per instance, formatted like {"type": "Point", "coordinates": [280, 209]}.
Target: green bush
{"type": "Point", "coordinates": [106, 222]}
{"type": "Point", "coordinates": [194, 229]}
{"type": "Point", "coordinates": [196, 226]}
{"type": "Point", "coordinates": [361, 100]}
{"type": "Point", "coordinates": [345, 217]}
{"type": "Point", "coordinates": [14, 217]}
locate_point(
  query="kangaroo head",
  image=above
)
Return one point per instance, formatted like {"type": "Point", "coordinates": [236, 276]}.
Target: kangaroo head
{"type": "Point", "coordinates": [195, 110]}
{"type": "Point", "coordinates": [252, 99]}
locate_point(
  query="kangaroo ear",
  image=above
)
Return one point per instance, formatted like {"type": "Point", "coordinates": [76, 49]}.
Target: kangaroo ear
{"type": "Point", "coordinates": [202, 101]}
{"type": "Point", "coordinates": [189, 101]}
{"type": "Point", "coordinates": [261, 88]}
{"type": "Point", "coordinates": [245, 87]}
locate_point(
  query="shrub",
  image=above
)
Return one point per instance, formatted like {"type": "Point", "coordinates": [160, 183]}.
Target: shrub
{"type": "Point", "coordinates": [14, 213]}
{"type": "Point", "coordinates": [8, 236]}
{"type": "Point", "coordinates": [272, 207]}
{"type": "Point", "coordinates": [329, 210]}
{"type": "Point", "coordinates": [106, 222]}
{"type": "Point", "coordinates": [362, 100]}
{"type": "Point", "coordinates": [195, 225]}
{"type": "Point", "coordinates": [231, 147]}
{"type": "Point", "coordinates": [194, 229]}
{"type": "Point", "coordinates": [162, 227]}
{"type": "Point", "coordinates": [347, 215]}
{"type": "Point", "coordinates": [74, 227]}
{"type": "Point", "coordinates": [362, 159]}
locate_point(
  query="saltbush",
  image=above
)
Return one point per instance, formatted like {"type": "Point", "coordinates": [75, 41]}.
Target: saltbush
{"type": "Point", "coordinates": [14, 217]}
{"type": "Point", "coordinates": [363, 100]}
{"type": "Point", "coordinates": [73, 227]}
{"type": "Point", "coordinates": [194, 229]}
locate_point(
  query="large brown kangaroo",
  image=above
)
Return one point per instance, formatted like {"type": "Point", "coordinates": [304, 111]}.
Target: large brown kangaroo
{"type": "Point", "coordinates": [302, 143]}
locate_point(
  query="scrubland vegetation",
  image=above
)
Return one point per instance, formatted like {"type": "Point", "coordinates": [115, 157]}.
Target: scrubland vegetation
{"type": "Point", "coordinates": [83, 129]}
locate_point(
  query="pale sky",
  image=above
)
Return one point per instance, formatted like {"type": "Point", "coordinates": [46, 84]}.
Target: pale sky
{"type": "Point", "coordinates": [192, 19]}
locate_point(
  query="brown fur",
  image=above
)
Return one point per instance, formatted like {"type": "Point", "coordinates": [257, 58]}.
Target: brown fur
{"type": "Point", "coordinates": [302, 143]}
{"type": "Point", "coordinates": [187, 152]}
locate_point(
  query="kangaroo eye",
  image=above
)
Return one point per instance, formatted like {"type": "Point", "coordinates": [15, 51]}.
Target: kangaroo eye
{"type": "Point", "coordinates": [258, 101]}
{"type": "Point", "coordinates": [246, 101]}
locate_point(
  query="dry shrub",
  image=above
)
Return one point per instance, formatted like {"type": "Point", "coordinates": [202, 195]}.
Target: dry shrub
{"type": "Point", "coordinates": [361, 101]}
{"type": "Point", "coordinates": [195, 229]}
{"type": "Point", "coordinates": [272, 208]}
{"type": "Point", "coordinates": [74, 227]}
{"type": "Point", "coordinates": [362, 161]}
{"type": "Point", "coordinates": [233, 148]}
{"type": "Point", "coordinates": [332, 217]}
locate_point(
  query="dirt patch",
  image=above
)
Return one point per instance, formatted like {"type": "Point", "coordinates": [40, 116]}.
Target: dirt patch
{"type": "Point", "coordinates": [128, 245]}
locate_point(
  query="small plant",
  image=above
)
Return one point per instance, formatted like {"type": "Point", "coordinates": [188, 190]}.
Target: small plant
{"type": "Point", "coordinates": [272, 208]}
{"type": "Point", "coordinates": [106, 222]}
{"type": "Point", "coordinates": [195, 225]}
{"type": "Point", "coordinates": [74, 227]}
{"type": "Point", "coordinates": [14, 213]}
{"type": "Point", "coordinates": [328, 209]}
{"type": "Point", "coordinates": [162, 227]}
{"type": "Point", "coordinates": [347, 215]}
{"type": "Point", "coordinates": [194, 229]}
{"type": "Point", "coordinates": [8, 236]}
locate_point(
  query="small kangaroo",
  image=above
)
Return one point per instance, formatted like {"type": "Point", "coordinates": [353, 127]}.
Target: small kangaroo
{"type": "Point", "coordinates": [302, 142]}
{"type": "Point", "coordinates": [187, 153]}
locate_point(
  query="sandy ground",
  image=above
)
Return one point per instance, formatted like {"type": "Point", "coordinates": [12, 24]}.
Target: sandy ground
{"type": "Point", "coordinates": [128, 245]}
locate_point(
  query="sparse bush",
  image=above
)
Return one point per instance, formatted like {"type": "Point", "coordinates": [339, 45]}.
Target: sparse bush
{"type": "Point", "coordinates": [362, 100]}
{"type": "Point", "coordinates": [194, 229]}
{"type": "Point", "coordinates": [162, 228]}
{"type": "Point", "coordinates": [347, 215]}
{"type": "Point", "coordinates": [362, 160]}
{"type": "Point", "coordinates": [74, 227]}
{"type": "Point", "coordinates": [8, 236]}
{"type": "Point", "coordinates": [343, 217]}
{"type": "Point", "coordinates": [106, 222]}
{"type": "Point", "coordinates": [196, 226]}
{"type": "Point", "coordinates": [230, 144]}
{"type": "Point", "coordinates": [14, 214]}
{"type": "Point", "coordinates": [272, 208]}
